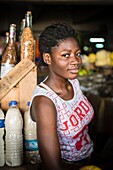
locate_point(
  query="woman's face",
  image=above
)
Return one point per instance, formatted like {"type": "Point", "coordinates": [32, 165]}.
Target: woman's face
{"type": "Point", "coordinates": [66, 59]}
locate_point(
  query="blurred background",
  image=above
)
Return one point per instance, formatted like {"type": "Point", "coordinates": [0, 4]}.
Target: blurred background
{"type": "Point", "coordinates": [92, 18]}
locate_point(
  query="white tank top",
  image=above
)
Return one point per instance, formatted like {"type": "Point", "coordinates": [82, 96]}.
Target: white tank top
{"type": "Point", "coordinates": [73, 116]}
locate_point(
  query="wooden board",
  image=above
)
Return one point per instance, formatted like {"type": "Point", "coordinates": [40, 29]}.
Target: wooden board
{"type": "Point", "coordinates": [26, 87]}
{"type": "Point", "coordinates": [18, 84]}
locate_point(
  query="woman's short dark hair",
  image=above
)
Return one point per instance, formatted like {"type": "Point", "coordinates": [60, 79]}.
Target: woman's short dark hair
{"type": "Point", "coordinates": [53, 34]}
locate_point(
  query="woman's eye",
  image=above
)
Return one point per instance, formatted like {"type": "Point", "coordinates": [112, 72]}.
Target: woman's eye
{"type": "Point", "coordinates": [66, 55]}
{"type": "Point", "coordinates": [79, 55]}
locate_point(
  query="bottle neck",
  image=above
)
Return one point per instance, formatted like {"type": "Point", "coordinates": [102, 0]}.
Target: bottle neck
{"type": "Point", "coordinates": [21, 28]}
{"type": "Point", "coordinates": [12, 34]}
{"type": "Point", "coordinates": [7, 37]}
{"type": "Point", "coordinates": [22, 25]}
{"type": "Point", "coordinates": [11, 40]}
{"type": "Point", "coordinates": [28, 20]}
{"type": "Point", "coordinates": [14, 106]}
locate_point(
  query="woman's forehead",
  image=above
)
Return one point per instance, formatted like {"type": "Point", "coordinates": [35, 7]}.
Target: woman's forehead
{"type": "Point", "coordinates": [67, 43]}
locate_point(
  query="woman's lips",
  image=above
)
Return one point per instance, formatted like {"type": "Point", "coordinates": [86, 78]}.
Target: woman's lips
{"type": "Point", "coordinates": [74, 71]}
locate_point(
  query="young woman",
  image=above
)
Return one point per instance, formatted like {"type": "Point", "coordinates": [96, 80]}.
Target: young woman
{"type": "Point", "coordinates": [58, 106]}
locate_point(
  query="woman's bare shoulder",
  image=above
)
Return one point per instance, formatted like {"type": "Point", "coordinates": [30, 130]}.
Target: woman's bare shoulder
{"type": "Point", "coordinates": [41, 105]}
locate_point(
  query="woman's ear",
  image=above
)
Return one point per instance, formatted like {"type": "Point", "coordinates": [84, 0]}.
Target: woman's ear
{"type": "Point", "coordinates": [47, 58]}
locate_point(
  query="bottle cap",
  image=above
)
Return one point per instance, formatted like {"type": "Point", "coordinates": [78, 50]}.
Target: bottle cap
{"type": "Point", "coordinates": [13, 102]}
{"type": "Point", "coordinates": [28, 103]}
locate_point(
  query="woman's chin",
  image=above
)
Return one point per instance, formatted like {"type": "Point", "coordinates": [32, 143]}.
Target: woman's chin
{"type": "Point", "coordinates": [73, 77]}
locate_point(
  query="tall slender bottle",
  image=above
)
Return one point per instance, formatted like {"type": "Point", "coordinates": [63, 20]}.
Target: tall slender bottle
{"type": "Point", "coordinates": [30, 139]}
{"type": "Point", "coordinates": [14, 135]}
{"type": "Point", "coordinates": [27, 39]}
{"type": "Point", "coordinates": [9, 57]}
{"type": "Point", "coordinates": [2, 148]}
{"type": "Point", "coordinates": [22, 26]}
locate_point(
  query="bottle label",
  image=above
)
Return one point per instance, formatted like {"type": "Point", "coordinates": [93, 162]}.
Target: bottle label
{"type": "Point", "coordinates": [5, 68]}
{"type": "Point", "coordinates": [2, 125]}
{"type": "Point", "coordinates": [31, 145]}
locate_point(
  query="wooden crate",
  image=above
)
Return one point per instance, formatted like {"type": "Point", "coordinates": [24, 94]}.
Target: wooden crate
{"type": "Point", "coordinates": [18, 84]}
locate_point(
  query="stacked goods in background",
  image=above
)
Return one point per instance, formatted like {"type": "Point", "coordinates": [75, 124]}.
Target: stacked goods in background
{"type": "Point", "coordinates": [101, 58]}
{"type": "Point", "coordinates": [96, 72]}
{"type": "Point", "coordinates": [17, 85]}
{"type": "Point", "coordinates": [19, 81]}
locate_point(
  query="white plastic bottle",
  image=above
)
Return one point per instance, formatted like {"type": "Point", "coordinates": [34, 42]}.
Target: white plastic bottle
{"type": "Point", "coordinates": [30, 139]}
{"type": "Point", "coordinates": [2, 125]}
{"type": "Point", "coordinates": [14, 135]}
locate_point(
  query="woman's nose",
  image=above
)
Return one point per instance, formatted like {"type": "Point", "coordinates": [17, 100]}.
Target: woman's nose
{"type": "Point", "coordinates": [75, 59]}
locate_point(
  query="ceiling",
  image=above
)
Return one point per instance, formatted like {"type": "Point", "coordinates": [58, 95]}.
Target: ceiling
{"type": "Point", "coordinates": [90, 17]}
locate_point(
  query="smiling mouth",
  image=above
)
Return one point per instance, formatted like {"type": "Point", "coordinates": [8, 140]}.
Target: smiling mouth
{"type": "Point", "coordinates": [74, 70]}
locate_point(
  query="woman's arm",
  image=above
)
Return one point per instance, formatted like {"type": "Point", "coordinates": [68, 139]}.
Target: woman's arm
{"type": "Point", "coordinates": [44, 113]}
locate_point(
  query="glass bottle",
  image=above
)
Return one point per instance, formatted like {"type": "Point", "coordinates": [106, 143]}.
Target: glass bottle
{"type": "Point", "coordinates": [6, 41]}
{"type": "Point", "coordinates": [27, 39]}
{"type": "Point", "coordinates": [9, 57]}
{"type": "Point", "coordinates": [22, 26]}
